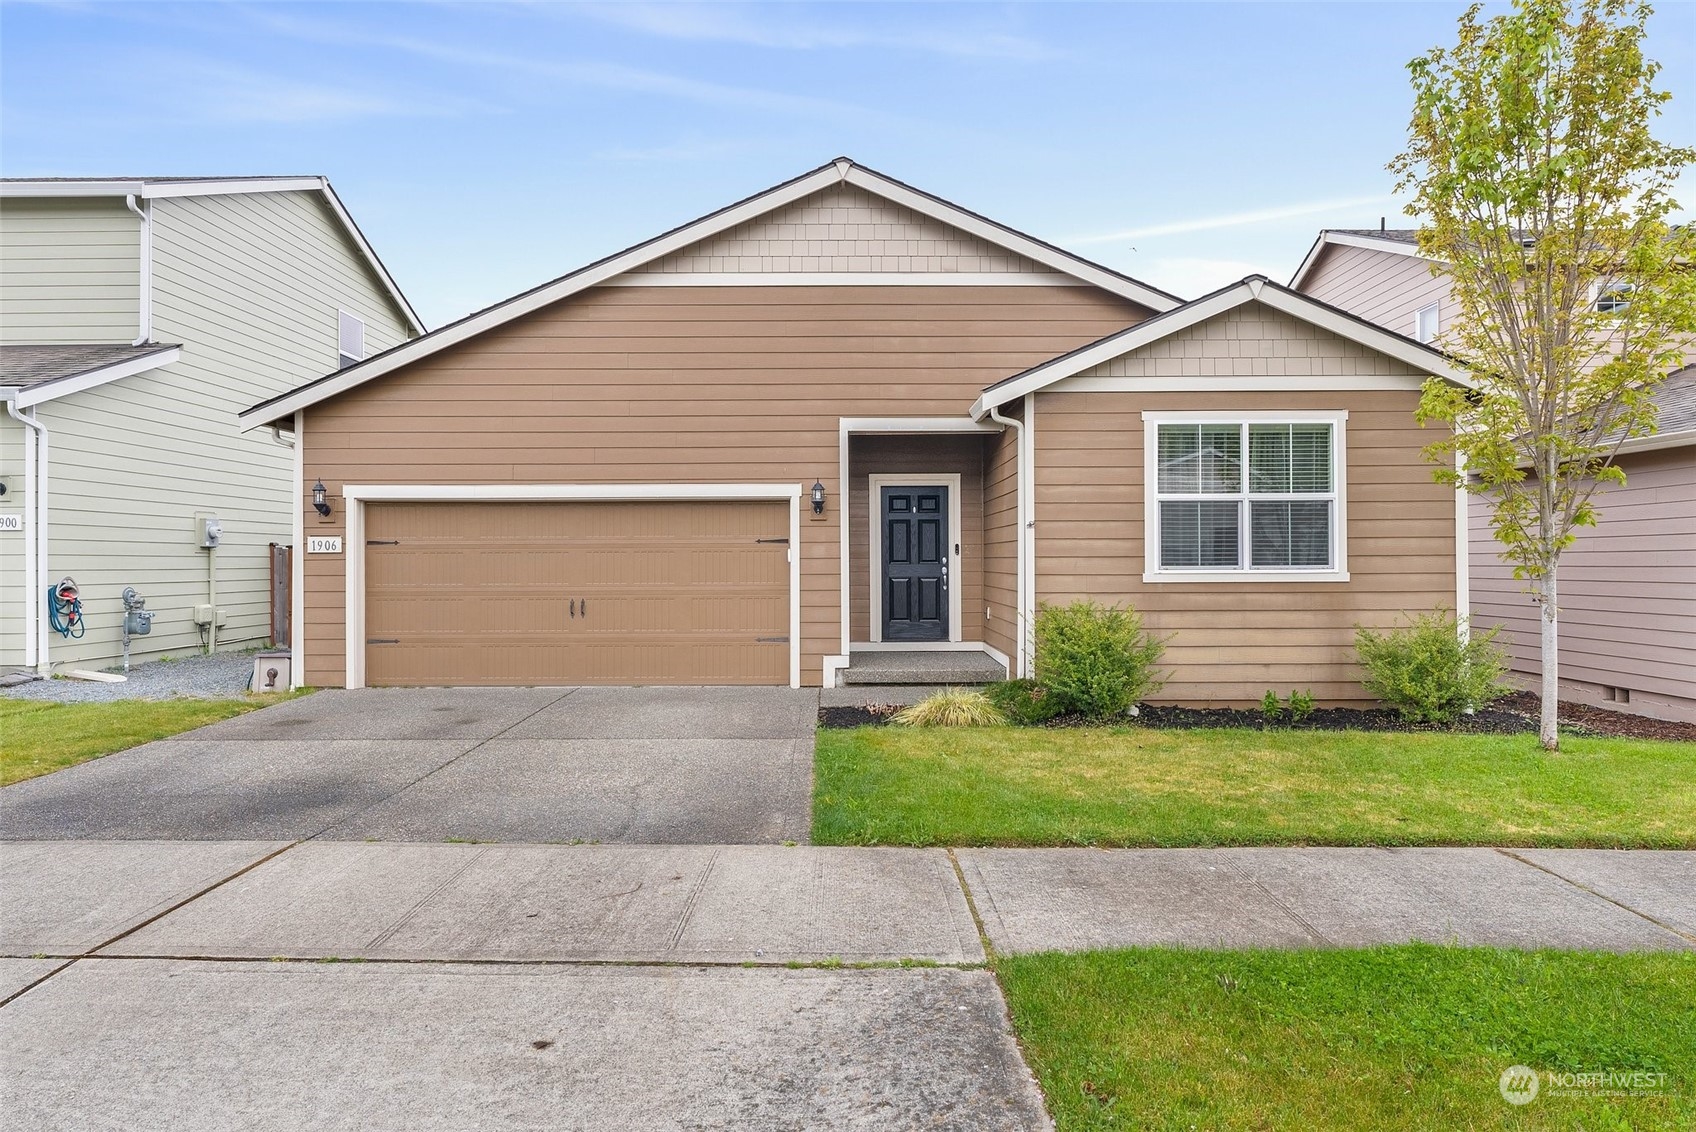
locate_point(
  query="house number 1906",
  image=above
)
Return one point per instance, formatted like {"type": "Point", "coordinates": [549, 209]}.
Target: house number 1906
{"type": "Point", "coordinates": [324, 544]}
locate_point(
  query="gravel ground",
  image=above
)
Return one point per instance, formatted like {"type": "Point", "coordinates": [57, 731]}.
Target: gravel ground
{"type": "Point", "coordinates": [219, 676]}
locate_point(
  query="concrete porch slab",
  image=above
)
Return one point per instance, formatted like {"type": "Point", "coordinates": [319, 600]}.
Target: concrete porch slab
{"type": "Point", "coordinates": [616, 903]}
{"type": "Point", "coordinates": [66, 897]}
{"type": "Point", "coordinates": [192, 1047]}
{"type": "Point", "coordinates": [944, 669]}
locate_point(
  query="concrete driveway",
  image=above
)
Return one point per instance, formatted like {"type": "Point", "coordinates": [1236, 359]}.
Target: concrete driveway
{"type": "Point", "coordinates": [655, 765]}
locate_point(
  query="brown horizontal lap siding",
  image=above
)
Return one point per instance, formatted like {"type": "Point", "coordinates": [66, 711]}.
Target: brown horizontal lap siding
{"type": "Point", "coordinates": [1230, 642]}
{"type": "Point", "coordinates": [683, 385]}
{"type": "Point", "coordinates": [1627, 586]}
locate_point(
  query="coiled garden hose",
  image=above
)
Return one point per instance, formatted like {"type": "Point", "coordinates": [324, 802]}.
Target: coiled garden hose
{"type": "Point", "coordinates": [64, 614]}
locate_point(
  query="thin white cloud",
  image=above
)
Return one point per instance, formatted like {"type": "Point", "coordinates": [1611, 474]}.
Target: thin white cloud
{"type": "Point", "coordinates": [590, 73]}
{"type": "Point", "coordinates": [1231, 220]}
{"type": "Point", "coordinates": [792, 27]}
{"type": "Point", "coordinates": [697, 150]}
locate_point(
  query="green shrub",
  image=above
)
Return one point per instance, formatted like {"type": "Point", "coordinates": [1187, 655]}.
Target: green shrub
{"type": "Point", "coordinates": [1300, 705]}
{"type": "Point", "coordinates": [1095, 660]}
{"type": "Point", "coordinates": [1024, 702]}
{"type": "Point", "coordinates": [1424, 671]}
{"type": "Point", "coordinates": [1271, 708]}
{"type": "Point", "coordinates": [951, 707]}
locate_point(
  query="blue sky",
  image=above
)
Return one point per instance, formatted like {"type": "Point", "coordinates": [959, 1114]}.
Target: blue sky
{"type": "Point", "coordinates": [487, 147]}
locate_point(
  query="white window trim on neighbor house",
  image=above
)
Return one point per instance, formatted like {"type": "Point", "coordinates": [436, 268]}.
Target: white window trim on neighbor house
{"type": "Point", "coordinates": [1338, 570]}
{"type": "Point", "coordinates": [1422, 332]}
{"type": "Point", "coordinates": [349, 327]}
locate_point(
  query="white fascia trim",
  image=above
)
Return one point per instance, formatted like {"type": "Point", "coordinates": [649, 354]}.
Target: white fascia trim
{"type": "Point", "coordinates": [875, 482]}
{"type": "Point", "coordinates": [365, 249]}
{"type": "Point", "coordinates": [1422, 358]}
{"type": "Point", "coordinates": [1152, 419]}
{"type": "Point", "coordinates": [1658, 440]}
{"type": "Point", "coordinates": [1303, 383]}
{"type": "Point", "coordinates": [566, 492]}
{"type": "Point", "coordinates": [844, 279]}
{"type": "Point", "coordinates": [356, 496]}
{"type": "Point", "coordinates": [1348, 240]}
{"type": "Point", "coordinates": [835, 173]}
{"type": "Point", "coordinates": [76, 383]}
{"type": "Point", "coordinates": [535, 300]}
{"type": "Point", "coordinates": [164, 188]}
{"type": "Point", "coordinates": [894, 426]}
{"type": "Point", "coordinates": [1005, 237]}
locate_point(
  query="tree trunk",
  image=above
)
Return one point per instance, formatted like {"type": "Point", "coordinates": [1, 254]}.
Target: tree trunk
{"type": "Point", "coordinates": [1548, 729]}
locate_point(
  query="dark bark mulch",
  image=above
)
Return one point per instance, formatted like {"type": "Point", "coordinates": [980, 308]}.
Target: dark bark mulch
{"type": "Point", "coordinates": [1511, 715]}
{"type": "Point", "coordinates": [1600, 720]}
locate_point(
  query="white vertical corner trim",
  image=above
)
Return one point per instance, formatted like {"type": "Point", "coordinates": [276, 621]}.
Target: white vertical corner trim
{"type": "Point", "coordinates": [146, 304]}
{"type": "Point", "coordinates": [1463, 550]}
{"type": "Point", "coordinates": [356, 496]}
{"type": "Point", "coordinates": [875, 483]}
{"type": "Point", "coordinates": [843, 432]}
{"type": "Point", "coordinates": [1027, 468]}
{"type": "Point", "coordinates": [1336, 418]}
{"type": "Point", "coordinates": [33, 585]}
{"type": "Point", "coordinates": [297, 558]}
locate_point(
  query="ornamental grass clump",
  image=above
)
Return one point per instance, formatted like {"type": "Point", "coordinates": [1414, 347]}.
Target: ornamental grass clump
{"type": "Point", "coordinates": [1095, 660]}
{"type": "Point", "coordinates": [1427, 672]}
{"type": "Point", "coordinates": [951, 707]}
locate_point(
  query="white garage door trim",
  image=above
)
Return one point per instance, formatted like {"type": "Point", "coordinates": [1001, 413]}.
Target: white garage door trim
{"type": "Point", "coordinates": [356, 496]}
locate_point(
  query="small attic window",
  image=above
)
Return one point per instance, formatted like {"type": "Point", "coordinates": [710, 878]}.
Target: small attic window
{"type": "Point", "coordinates": [350, 339]}
{"type": "Point", "coordinates": [1425, 324]}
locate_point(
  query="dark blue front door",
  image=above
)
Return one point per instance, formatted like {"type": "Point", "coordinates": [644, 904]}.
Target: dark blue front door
{"type": "Point", "coordinates": [915, 563]}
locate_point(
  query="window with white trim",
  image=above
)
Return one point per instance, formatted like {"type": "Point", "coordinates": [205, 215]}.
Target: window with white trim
{"type": "Point", "coordinates": [1425, 324]}
{"type": "Point", "coordinates": [1246, 496]}
{"type": "Point", "coordinates": [1613, 298]}
{"type": "Point", "coordinates": [350, 339]}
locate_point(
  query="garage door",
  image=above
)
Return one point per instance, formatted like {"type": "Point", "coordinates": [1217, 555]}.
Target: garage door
{"type": "Point", "coordinates": [577, 593]}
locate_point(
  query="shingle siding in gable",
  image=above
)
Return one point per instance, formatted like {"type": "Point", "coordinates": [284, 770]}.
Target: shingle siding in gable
{"type": "Point", "coordinates": [845, 229]}
{"type": "Point", "coordinates": [1252, 341]}
{"type": "Point", "coordinates": [70, 270]}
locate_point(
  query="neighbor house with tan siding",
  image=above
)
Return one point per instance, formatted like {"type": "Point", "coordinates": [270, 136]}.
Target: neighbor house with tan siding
{"type": "Point", "coordinates": [845, 418]}
{"type": "Point", "coordinates": [137, 317]}
{"type": "Point", "coordinates": [1628, 584]}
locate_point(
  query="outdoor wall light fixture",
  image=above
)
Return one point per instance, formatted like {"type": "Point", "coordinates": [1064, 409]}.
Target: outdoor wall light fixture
{"type": "Point", "coordinates": [818, 498]}
{"type": "Point", "coordinates": [321, 504]}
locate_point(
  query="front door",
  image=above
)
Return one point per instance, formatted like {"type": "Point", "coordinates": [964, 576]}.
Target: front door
{"type": "Point", "coordinates": [915, 563]}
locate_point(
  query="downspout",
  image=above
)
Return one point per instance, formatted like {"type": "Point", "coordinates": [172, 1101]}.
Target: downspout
{"type": "Point", "coordinates": [35, 549]}
{"type": "Point", "coordinates": [146, 304]}
{"type": "Point", "coordinates": [1021, 666]}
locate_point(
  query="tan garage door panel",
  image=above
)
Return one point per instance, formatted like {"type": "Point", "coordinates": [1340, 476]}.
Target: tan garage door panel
{"type": "Point", "coordinates": [577, 593]}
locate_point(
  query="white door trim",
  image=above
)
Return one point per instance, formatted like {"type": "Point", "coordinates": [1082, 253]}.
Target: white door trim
{"type": "Point", "coordinates": [875, 482]}
{"type": "Point", "coordinates": [356, 496]}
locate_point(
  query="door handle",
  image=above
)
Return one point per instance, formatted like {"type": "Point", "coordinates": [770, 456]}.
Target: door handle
{"type": "Point", "coordinates": [585, 608]}
{"type": "Point", "coordinates": [573, 607]}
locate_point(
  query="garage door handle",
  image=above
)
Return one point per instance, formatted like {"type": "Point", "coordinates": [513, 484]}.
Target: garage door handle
{"type": "Point", "coordinates": [585, 604]}
{"type": "Point", "coordinates": [574, 607]}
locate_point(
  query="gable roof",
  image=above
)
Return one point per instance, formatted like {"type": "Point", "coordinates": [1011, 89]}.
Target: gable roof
{"type": "Point", "coordinates": [31, 374]}
{"type": "Point", "coordinates": [840, 171]}
{"type": "Point", "coordinates": [1255, 288]}
{"type": "Point", "coordinates": [149, 188]}
{"type": "Point", "coordinates": [1396, 241]}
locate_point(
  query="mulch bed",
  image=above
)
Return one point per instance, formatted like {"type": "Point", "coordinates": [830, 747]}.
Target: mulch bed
{"type": "Point", "coordinates": [1511, 715]}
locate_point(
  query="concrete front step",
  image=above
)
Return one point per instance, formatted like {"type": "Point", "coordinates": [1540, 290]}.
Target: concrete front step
{"type": "Point", "coordinates": [934, 668]}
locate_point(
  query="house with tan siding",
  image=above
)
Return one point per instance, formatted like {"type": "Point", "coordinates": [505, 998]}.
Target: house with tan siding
{"type": "Point", "coordinates": [137, 317]}
{"type": "Point", "coordinates": [1628, 584]}
{"type": "Point", "coordinates": [843, 419]}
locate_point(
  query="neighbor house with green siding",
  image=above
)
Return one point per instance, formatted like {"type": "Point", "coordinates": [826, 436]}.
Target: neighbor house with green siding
{"type": "Point", "coordinates": [136, 318]}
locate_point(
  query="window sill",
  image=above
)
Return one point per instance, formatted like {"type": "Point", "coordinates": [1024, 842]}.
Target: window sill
{"type": "Point", "coordinates": [1245, 577]}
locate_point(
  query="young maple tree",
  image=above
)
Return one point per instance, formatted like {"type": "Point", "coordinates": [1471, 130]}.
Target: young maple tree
{"type": "Point", "coordinates": [1545, 198]}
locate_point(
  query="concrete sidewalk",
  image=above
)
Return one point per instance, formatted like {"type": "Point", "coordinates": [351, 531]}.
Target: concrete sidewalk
{"type": "Point", "coordinates": [776, 904]}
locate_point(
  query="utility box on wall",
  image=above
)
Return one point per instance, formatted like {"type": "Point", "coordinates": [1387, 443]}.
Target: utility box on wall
{"type": "Point", "coordinates": [208, 531]}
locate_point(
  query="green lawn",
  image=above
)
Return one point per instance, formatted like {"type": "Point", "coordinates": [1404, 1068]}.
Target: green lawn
{"type": "Point", "coordinates": [1131, 786]}
{"type": "Point", "coordinates": [39, 738]}
{"type": "Point", "coordinates": [1407, 1037]}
